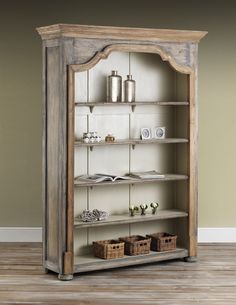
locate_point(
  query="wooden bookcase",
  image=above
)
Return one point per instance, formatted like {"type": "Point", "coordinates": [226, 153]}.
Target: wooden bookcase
{"type": "Point", "coordinates": [76, 61]}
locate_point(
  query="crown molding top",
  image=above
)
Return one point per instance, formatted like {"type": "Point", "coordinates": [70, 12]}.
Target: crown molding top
{"type": "Point", "coordinates": [111, 32]}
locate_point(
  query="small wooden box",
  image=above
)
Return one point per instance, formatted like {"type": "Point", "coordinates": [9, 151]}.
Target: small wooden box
{"type": "Point", "coordinates": [162, 241]}
{"type": "Point", "coordinates": [108, 249]}
{"type": "Point", "coordinates": [136, 244]}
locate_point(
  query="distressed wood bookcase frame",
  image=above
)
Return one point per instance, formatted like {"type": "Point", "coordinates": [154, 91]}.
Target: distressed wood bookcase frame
{"type": "Point", "coordinates": [68, 49]}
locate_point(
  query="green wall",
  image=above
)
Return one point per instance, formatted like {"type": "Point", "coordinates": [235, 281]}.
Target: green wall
{"type": "Point", "coordinates": [20, 95]}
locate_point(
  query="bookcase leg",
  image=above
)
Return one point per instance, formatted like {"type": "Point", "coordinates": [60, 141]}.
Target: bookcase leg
{"type": "Point", "coordinates": [65, 277]}
{"type": "Point", "coordinates": [190, 259]}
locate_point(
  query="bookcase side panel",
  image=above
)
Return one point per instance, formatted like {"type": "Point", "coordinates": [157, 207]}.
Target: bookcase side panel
{"type": "Point", "coordinates": [55, 157]}
{"type": "Point", "coordinates": [52, 195]}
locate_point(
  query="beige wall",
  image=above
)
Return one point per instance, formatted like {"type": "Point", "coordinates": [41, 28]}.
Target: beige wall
{"type": "Point", "coordinates": [20, 95]}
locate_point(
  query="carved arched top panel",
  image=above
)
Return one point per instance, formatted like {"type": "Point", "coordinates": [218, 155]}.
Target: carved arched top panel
{"type": "Point", "coordinates": [103, 54]}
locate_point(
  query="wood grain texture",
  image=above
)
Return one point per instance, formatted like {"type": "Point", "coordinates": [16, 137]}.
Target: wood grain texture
{"type": "Point", "coordinates": [86, 49]}
{"type": "Point", "coordinates": [122, 219]}
{"type": "Point", "coordinates": [90, 31]}
{"type": "Point", "coordinates": [133, 142]}
{"type": "Point", "coordinates": [91, 263]}
{"type": "Point", "coordinates": [168, 177]}
{"type": "Point", "coordinates": [52, 154]}
{"type": "Point", "coordinates": [193, 160]}
{"type": "Point", "coordinates": [210, 281]}
{"type": "Point", "coordinates": [78, 48]}
{"type": "Point", "coordinates": [119, 47]}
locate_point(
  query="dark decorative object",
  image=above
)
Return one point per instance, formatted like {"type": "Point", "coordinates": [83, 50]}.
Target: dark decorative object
{"type": "Point", "coordinates": [143, 208]}
{"type": "Point", "coordinates": [154, 206]}
{"type": "Point", "coordinates": [133, 209]}
{"type": "Point", "coordinates": [110, 138]}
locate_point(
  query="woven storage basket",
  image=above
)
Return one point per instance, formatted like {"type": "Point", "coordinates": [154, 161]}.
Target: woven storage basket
{"type": "Point", "coordinates": [108, 249]}
{"type": "Point", "coordinates": [136, 244]}
{"type": "Point", "coordinates": [162, 241]}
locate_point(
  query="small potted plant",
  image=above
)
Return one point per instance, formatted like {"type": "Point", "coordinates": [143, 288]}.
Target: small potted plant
{"type": "Point", "coordinates": [143, 208]}
{"type": "Point", "coordinates": [154, 206]}
{"type": "Point", "coordinates": [133, 209]}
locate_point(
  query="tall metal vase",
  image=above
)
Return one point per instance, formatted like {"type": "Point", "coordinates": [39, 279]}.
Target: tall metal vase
{"type": "Point", "coordinates": [114, 87]}
{"type": "Point", "coordinates": [129, 87]}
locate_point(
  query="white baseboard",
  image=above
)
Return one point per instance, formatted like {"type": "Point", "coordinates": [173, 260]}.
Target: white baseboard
{"type": "Point", "coordinates": [34, 234]}
{"type": "Point", "coordinates": [217, 235]}
{"type": "Point", "coordinates": [20, 234]}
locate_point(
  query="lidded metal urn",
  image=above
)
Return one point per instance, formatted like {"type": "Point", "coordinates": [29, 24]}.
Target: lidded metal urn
{"type": "Point", "coordinates": [129, 85]}
{"type": "Point", "coordinates": [114, 87]}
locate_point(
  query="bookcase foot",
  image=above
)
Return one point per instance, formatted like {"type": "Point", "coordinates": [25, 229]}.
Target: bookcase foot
{"type": "Point", "coordinates": [45, 270]}
{"type": "Point", "coordinates": [65, 277]}
{"type": "Point", "coordinates": [190, 259]}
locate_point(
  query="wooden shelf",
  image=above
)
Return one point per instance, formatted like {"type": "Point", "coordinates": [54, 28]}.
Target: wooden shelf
{"type": "Point", "coordinates": [168, 177]}
{"type": "Point", "coordinates": [133, 142]}
{"type": "Point", "coordinates": [125, 219]}
{"type": "Point", "coordinates": [89, 262]}
{"type": "Point", "coordinates": [91, 105]}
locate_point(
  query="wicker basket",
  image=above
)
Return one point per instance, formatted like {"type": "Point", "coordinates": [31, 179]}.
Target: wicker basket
{"type": "Point", "coordinates": [162, 241]}
{"type": "Point", "coordinates": [136, 244]}
{"type": "Point", "coordinates": [108, 249]}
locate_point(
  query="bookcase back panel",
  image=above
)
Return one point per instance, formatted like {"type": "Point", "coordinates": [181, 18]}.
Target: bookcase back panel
{"type": "Point", "coordinates": [150, 157]}
{"type": "Point", "coordinates": [152, 118]}
{"type": "Point", "coordinates": [156, 81]}
{"type": "Point", "coordinates": [154, 78]}
{"type": "Point", "coordinates": [104, 124]}
{"type": "Point", "coordinates": [109, 160]}
{"type": "Point", "coordinates": [181, 86]}
{"type": "Point", "coordinates": [114, 199]}
{"type": "Point", "coordinates": [118, 61]}
{"type": "Point", "coordinates": [81, 200]}
{"type": "Point", "coordinates": [163, 193]}
{"type": "Point", "coordinates": [81, 125]}
{"type": "Point", "coordinates": [182, 195]}
{"type": "Point", "coordinates": [81, 86]}
{"type": "Point", "coordinates": [152, 227]}
{"type": "Point", "coordinates": [102, 233]}
{"type": "Point", "coordinates": [81, 242]}
{"type": "Point", "coordinates": [81, 161]}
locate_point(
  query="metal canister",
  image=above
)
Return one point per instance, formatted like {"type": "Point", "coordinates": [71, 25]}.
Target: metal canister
{"type": "Point", "coordinates": [114, 87]}
{"type": "Point", "coordinates": [129, 86]}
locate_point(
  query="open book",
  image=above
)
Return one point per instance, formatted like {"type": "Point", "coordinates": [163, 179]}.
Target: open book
{"type": "Point", "coordinates": [96, 178]}
{"type": "Point", "coordinates": [146, 175]}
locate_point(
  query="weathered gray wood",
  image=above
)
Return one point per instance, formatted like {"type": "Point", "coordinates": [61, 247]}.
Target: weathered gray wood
{"type": "Point", "coordinates": [122, 219]}
{"type": "Point", "coordinates": [103, 32]}
{"type": "Point", "coordinates": [210, 281]}
{"type": "Point", "coordinates": [141, 103]}
{"type": "Point", "coordinates": [55, 163]}
{"type": "Point", "coordinates": [133, 142]}
{"type": "Point", "coordinates": [89, 263]}
{"type": "Point", "coordinates": [72, 48]}
{"type": "Point", "coordinates": [44, 152]}
{"type": "Point", "coordinates": [133, 105]}
{"type": "Point", "coordinates": [65, 277]}
{"type": "Point", "coordinates": [52, 153]}
{"type": "Point", "coordinates": [168, 177]}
